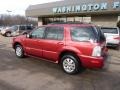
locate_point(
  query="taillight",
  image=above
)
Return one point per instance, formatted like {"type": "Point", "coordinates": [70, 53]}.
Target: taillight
{"type": "Point", "coordinates": [118, 38]}
{"type": "Point", "coordinates": [96, 51]}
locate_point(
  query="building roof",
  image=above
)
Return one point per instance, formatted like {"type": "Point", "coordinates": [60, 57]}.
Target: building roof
{"type": "Point", "coordinates": [44, 10]}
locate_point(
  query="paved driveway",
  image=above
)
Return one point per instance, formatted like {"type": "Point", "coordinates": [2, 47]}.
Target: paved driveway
{"type": "Point", "coordinates": [35, 74]}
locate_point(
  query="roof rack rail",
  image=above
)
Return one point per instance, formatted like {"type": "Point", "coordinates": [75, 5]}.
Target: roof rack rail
{"type": "Point", "coordinates": [69, 23]}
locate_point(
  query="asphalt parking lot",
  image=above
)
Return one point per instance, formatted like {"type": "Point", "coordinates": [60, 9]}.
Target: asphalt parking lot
{"type": "Point", "coordinates": [34, 74]}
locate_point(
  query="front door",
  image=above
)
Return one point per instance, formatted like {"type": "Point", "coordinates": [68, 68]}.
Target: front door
{"type": "Point", "coordinates": [33, 45]}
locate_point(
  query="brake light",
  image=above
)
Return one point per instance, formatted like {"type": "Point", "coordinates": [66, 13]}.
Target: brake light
{"type": "Point", "coordinates": [96, 51]}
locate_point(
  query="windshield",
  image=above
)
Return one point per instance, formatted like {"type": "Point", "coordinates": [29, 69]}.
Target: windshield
{"type": "Point", "coordinates": [82, 33]}
{"type": "Point", "coordinates": [110, 30]}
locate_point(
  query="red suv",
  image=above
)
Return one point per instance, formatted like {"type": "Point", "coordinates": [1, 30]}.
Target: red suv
{"type": "Point", "coordinates": [72, 45]}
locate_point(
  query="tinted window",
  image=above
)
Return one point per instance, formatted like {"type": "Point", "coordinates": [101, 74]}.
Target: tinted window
{"type": "Point", "coordinates": [29, 27]}
{"type": "Point", "coordinates": [110, 30]}
{"type": "Point", "coordinates": [38, 33]}
{"type": "Point", "coordinates": [101, 34]}
{"type": "Point", "coordinates": [54, 33]}
{"type": "Point", "coordinates": [22, 28]}
{"type": "Point", "coordinates": [82, 33]}
{"type": "Point", "coordinates": [14, 28]}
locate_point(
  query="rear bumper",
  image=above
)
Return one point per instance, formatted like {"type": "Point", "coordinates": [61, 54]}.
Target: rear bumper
{"type": "Point", "coordinates": [113, 44]}
{"type": "Point", "coordinates": [92, 62]}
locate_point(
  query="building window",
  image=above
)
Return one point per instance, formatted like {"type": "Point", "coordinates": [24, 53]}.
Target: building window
{"type": "Point", "coordinates": [87, 19]}
{"type": "Point", "coordinates": [70, 19]}
{"type": "Point", "coordinates": [83, 19]}
{"type": "Point", "coordinates": [63, 19]}
{"type": "Point", "coordinates": [78, 19]}
{"type": "Point", "coordinates": [56, 19]}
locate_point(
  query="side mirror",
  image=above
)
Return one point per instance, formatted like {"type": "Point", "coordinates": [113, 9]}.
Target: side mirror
{"type": "Point", "coordinates": [28, 35]}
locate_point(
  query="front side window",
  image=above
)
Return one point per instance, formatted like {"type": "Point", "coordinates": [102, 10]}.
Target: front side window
{"type": "Point", "coordinates": [82, 33]}
{"type": "Point", "coordinates": [14, 28]}
{"type": "Point", "coordinates": [38, 33]}
{"type": "Point", "coordinates": [54, 33]}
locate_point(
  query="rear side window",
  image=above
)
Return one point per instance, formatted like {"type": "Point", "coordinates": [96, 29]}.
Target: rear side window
{"type": "Point", "coordinates": [82, 33]}
{"type": "Point", "coordinates": [110, 30]}
{"type": "Point", "coordinates": [29, 27]}
{"type": "Point", "coordinates": [22, 27]}
{"type": "Point", "coordinates": [54, 33]}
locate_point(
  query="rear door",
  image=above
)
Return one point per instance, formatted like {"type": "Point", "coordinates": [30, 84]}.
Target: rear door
{"type": "Point", "coordinates": [54, 41]}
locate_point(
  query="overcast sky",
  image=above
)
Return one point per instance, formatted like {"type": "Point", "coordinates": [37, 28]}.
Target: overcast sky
{"type": "Point", "coordinates": [19, 6]}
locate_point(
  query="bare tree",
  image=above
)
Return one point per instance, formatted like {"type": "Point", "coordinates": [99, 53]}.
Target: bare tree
{"type": "Point", "coordinates": [9, 20]}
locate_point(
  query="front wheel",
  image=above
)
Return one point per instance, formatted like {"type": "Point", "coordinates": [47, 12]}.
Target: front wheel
{"type": "Point", "coordinates": [70, 64]}
{"type": "Point", "coordinates": [19, 51]}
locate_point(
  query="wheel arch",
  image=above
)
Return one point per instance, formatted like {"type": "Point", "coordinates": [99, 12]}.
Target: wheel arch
{"type": "Point", "coordinates": [16, 43]}
{"type": "Point", "coordinates": [7, 32]}
{"type": "Point", "coordinates": [69, 52]}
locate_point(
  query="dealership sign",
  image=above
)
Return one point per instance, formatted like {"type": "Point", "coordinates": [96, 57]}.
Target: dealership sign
{"type": "Point", "coordinates": [86, 7]}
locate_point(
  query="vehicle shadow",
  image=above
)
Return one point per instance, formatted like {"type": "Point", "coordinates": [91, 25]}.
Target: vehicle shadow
{"type": "Point", "coordinates": [7, 86]}
{"type": "Point", "coordinates": [113, 48]}
{"type": "Point", "coordinates": [50, 76]}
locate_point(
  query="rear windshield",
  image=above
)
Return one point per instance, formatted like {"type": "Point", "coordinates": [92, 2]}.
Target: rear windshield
{"type": "Point", "coordinates": [110, 30]}
{"type": "Point", "coordinates": [82, 33]}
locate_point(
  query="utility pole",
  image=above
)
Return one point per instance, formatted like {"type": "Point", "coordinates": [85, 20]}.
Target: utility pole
{"type": "Point", "coordinates": [8, 11]}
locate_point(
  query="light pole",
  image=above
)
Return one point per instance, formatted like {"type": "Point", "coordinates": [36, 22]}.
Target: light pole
{"type": "Point", "coordinates": [8, 11]}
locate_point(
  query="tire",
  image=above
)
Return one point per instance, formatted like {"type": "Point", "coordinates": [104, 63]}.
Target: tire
{"type": "Point", "coordinates": [19, 51]}
{"type": "Point", "coordinates": [8, 34]}
{"type": "Point", "coordinates": [70, 64]}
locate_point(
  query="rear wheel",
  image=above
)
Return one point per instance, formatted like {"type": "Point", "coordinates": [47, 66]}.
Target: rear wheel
{"type": "Point", "coordinates": [70, 64]}
{"type": "Point", "coordinates": [19, 51]}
